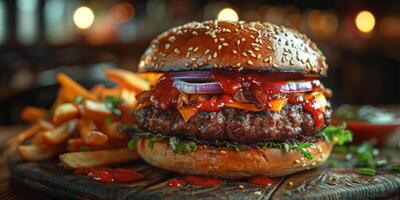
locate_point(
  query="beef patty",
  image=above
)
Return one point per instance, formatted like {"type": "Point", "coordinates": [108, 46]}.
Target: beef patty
{"type": "Point", "coordinates": [230, 124]}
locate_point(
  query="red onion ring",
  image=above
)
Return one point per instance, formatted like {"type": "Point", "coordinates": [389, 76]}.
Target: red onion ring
{"type": "Point", "coordinates": [193, 75]}
{"type": "Point", "coordinates": [197, 88]}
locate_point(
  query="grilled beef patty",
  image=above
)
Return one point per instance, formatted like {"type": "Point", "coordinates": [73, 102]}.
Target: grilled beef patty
{"type": "Point", "coordinates": [230, 124]}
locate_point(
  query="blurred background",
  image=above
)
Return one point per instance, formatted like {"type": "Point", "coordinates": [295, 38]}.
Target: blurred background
{"type": "Point", "coordinates": [39, 38]}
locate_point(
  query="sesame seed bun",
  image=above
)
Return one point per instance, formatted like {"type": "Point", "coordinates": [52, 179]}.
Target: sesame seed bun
{"type": "Point", "coordinates": [233, 45]}
{"type": "Point", "coordinates": [228, 163]}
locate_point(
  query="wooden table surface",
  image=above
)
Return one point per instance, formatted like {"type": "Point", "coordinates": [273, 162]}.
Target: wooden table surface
{"type": "Point", "coordinates": [12, 190]}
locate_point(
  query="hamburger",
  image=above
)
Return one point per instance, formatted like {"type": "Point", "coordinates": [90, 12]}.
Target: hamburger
{"type": "Point", "coordinates": [236, 99]}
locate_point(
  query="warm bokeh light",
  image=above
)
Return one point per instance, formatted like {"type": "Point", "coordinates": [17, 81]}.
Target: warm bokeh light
{"type": "Point", "coordinates": [83, 17]}
{"type": "Point", "coordinates": [365, 21]}
{"type": "Point", "coordinates": [122, 12]}
{"type": "Point", "coordinates": [228, 14]}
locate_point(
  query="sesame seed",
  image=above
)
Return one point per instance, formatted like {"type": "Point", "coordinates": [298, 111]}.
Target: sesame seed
{"type": "Point", "coordinates": [269, 47]}
{"type": "Point", "coordinates": [290, 183]}
{"type": "Point", "coordinates": [243, 39]}
{"type": "Point", "coordinates": [176, 51]}
{"type": "Point", "coordinates": [257, 193]}
{"type": "Point", "coordinates": [223, 152]}
{"type": "Point", "coordinates": [190, 48]}
{"type": "Point", "coordinates": [221, 39]}
{"type": "Point", "coordinates": [188, 54]}
{"type": "Point", "coordinates": [259, 56]}
{"type": "Point", "coordinates": [238, 42]}
{"type": "Point", "coordinates": [256, 49]}
{"type": "Point", "coordinates": [195, 33]}
{"type": "Point", "coordinates": [215, 54]}
{"type": "Point", "coordinates": [313, 163]}
{"type": "Point", "coordinates": [195, 49]}
{"type": "Point", "coordinates": [250, 62]}
{"type": "Point", "coordinates": [209, 57]}
{"type": "Point", "coordinates": [215, 40]}
{"type": "Point", "coordinates": [219, 47]}
{"type": "Point", "coordinates": [244, 54]}
{"type": "Point", "coordinates": [234, 51]}
{"type": "Point", "coordinates": [267, 60]}
{"type": "Point", "coordinates": [224, 44]}
{"type": "Point", "coordinates": [304, 165]}
{"type": "Point", "coordinates": [193, 59]}
{"type": "Point", "coordinates": [206, 51]}
{"type": "Point", "coordinates": [297, 161]}
{"type": "Point", "coordinates": [171, 39]}
{"type": "Point", "coordinates": [241, 187]}
{"type": "Point", "coordinates": [167, 46]}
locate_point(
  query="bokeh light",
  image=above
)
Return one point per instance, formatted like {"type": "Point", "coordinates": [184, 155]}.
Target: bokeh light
{"type": "Point", "coordinates": [365, 21]}
{"type": "Point", "coordinates": [83, 17]}
{"type": "Point", "coordinates": [228, 14]}
{"type": "Point", "coordinates": [122, 12]}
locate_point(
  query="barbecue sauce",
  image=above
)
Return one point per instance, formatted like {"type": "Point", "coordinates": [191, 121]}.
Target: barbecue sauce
{"type": "Point", "coordinates": [108, 175]}
{"type": "Point", "coordinates": [261, 181]}
{"type": "Point", "coordinates": [202, 181]}
{"type": "Point", "coordinates": [165, 95]}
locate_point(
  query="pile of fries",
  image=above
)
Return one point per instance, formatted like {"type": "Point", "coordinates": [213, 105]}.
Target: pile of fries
{"type": "Point", "coordinates": [83, 126]}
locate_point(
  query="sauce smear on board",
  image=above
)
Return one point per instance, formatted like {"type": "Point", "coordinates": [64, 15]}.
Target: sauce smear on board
{"type": "Point", "coordinates": [108, 175]}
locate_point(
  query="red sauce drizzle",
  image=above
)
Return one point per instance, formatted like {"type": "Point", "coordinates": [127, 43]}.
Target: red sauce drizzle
{"type": "Point", "coordinates": [175, 182]}
{"type": "Point", "coordinates": [264, 86]}
{"type": "Point", "coordinates": [164, 94]}
{"type": "Point", "coordinates": [261, 180]}
{"type": "Point", "coordinates": [202, 181]}
{"type": "Point", "coordinates": [108, 175]}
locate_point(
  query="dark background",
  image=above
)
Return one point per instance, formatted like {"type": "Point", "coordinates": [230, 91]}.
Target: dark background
{"type": "Point", "coordinates": [39, 38]}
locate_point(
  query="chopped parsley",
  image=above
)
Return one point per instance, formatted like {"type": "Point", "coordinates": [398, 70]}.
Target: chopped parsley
{"type": "Point", "coordinates": [331, 164]}
{"type": "Point", "coordinates": [337, 134]}
{"type": "Point", "coordinates": [113, 103]}
{"type": "Point", "coordinates": [367, 171]}
{"type": "Point", "coordinates": [366, 153]}
{"type": "Point", "coordinates": [302, 148]}
{"type": "Point", "coordinates": [381, 163]}
{"type": "Point", "coordinates": [78, 100]}
{"type": "Point", "coordinates": [396, 167]}
{"type": "Point", "coordinates": [287, 193]}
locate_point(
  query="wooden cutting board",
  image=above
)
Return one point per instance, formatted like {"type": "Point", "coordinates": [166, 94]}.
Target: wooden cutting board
{"type": "Point", "coordinates": [51, 178]}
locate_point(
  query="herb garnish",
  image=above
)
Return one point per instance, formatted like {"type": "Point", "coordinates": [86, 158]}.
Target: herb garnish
{"type": "Point", "coordinates": [367, 171]}
{"type": "Point", "coordinates": [396, 167]}
{"type": "Point", "coordinates": [336, 134]}
{"type": "Point", "coordinates": [185, 145]}
{"type": "Point", "coordinates": [381, 163]}
{"type": "Point", "coordinates": [78, 100]}
{"type": "Point", "coordinates": [301, 148]}
{"type": "Point", "coordinates": [113, 103]}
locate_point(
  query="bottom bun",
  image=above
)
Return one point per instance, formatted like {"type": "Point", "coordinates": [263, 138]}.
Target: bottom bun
{"type": "Point", "coordinates": [229, 163]}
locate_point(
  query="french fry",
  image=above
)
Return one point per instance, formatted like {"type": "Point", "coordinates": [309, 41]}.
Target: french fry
{"type": "Point", "coordinates": [151, 77]}
{"type": "Point", "coordinates": [129, 97]}
{"type": "Point", "coordinates": [90, 135]}
{"type": "Point", "coordinates": [28, 133]}
{"type": "Point", "coordinates": [101, 92]}
{"type": "Point", "coordinates": [113, 131]}
{"type": "Point", "coordinates": [33, 114]}
{"type": "Point", "coordinates": [45, 125]}
{"type": "Point", "coordinates": [77, 144]}
{"type": "Point", "coordinates": [126, 79]}
{"type": "Point", "coordinates": [96, 111]}
{"type": "Point", "coordinates": [73, 89]}
{"type": "Point", "coordinates": [35, 152]}
{"type": "Point", "coordinates": [77, 160]}
{"type": "Point", "coordinates": [60, 133]}
{"type": "Point", "coordinates": [65, 112]}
